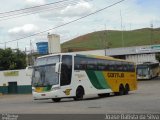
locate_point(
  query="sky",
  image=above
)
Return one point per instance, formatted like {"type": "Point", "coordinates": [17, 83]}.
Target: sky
{"type": "Point", "coordinates": [135, 14]}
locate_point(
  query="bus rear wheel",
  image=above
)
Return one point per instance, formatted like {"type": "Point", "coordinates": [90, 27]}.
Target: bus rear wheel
{"type": "Point", "coordinates": [127, 89]}
{"type": "Point", "coordinates": [79, 93]}
{"type": "Point", "coordinates": [56, 99]}
{"type": "Point", "coordinates": [121, 90]}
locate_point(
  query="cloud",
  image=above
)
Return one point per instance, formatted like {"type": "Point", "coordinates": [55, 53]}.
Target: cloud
{"type": "Point", "coordinates": [134, 16]}
{"type": "Point", "coordinates": [25, 29]}
{"type": "Point", "coordinates": [35, 2]}
{"type": "Point", "coordinates": [80, 9]}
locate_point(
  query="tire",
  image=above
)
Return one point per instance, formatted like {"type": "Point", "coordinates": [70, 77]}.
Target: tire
{"type": "Point", "coordinates": [157, 74]}
{"type": "Point", "coordinates": [56, 99]}
{"type": "Point", "coordinates": [121, 90]}
{"type": "Point", "coordinates": [79, 94]}
{"type": "Point", "coordinates": [104, 95]}
{"type": "Point", "coordinates": [127, 89]}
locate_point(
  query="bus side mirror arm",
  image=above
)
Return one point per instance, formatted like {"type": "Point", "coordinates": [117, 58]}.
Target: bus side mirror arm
{"type": "Point", "coordinates": [29, 71]}
{"type": "Point", "coordinates": [57, 67]}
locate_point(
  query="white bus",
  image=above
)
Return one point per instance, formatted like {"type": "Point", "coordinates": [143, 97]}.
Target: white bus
{"type": "Point", "coordinates": [68, 75]}
{"type": "Point", "coordinates": [147, 70]}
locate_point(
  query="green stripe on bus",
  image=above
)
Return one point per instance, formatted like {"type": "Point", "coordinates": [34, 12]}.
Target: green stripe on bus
{"type": "Point", "coordinates": [101, 79]}
{"type": "Point", "coordinates": [93, 78]}
{"type": "Point", "coordinates": [47, 88]}
{"type": "Point", "coordinates": [97, 79]}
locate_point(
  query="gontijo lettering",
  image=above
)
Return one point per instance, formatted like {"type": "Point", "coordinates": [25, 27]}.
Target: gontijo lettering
{"type": "Point", "coordinates": [116, 75]}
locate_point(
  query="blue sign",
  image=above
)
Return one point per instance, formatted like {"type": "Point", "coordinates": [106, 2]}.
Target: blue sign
{"type": "Point", "coordinates": [42, 47]}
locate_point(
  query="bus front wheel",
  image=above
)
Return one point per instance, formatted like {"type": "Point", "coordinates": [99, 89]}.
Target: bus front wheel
{"type": "Point", "coordinates": [79, 93]}
{"type": "Point", "coordinates": [56, 99]}
{"type": "Point", "coordinates": [121, 91]}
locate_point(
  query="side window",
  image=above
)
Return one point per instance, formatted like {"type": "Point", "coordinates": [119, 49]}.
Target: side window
{"type": "Point", "coordinates": [80, 63]}
{"type": "Point", "coordinates": [66, 70]}
{"type": "Point", "coordinates": [131, 67]}
{"type": "Point", "coordinates": [106, 64]}
{"type": "Point", "coordinates": [121, 66]}
{"type": "Point", "coordinates": [112, 65]}
{"type": "Point", "coordinates": [101, 64]}
{"type": "Point", "coordinates": [91, 64]}
{"type": "Point", "coordinates": [125, 67]}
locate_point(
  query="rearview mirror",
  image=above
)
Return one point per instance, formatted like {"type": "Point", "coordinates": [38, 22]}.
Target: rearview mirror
{"type": "Point", "coordinates": [29, 71]}
{"type": "Point", "coordinates": [57, 67]}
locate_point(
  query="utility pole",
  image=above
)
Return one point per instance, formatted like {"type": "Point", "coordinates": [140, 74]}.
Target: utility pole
{"type": "Point", "coordinates": [130, 27]}
{"type": "Point", "coordinates": [99, 39]}
{"type": "Point", "coordinates": [31, 58]}
{"type": "Point", "coordinates": [122, 36]}
{"type": "Point", "coordinates": [27, 57]}
{"type": "Point", "coordinates": [17, 45]}
{"type": "Point", "coordinates": [151, 34]}
{"type": "Point", "coordinates": [5, 45]}
{"type": "Point", "coordinates": [105, 41]}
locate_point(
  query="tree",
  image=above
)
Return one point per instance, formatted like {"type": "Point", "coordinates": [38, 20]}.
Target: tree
{"type": "Point", "coordinates": [12, 59]}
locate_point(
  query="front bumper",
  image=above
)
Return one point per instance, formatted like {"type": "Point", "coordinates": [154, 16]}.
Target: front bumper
{"type": "Point", "coordinates": [47, 95]}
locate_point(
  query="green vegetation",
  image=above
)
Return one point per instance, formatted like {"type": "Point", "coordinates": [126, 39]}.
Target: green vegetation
{"type": "Point", "coordinates": [12, 59]}
{"type": "Point", "coordinates": [113, 39]}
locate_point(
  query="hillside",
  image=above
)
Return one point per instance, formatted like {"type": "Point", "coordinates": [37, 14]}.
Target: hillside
{"type": "Point", "coordinates": [113, 39]}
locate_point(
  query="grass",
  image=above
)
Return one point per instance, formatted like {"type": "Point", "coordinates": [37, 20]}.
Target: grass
{"type": "Point", "coordinates": [113, 39]}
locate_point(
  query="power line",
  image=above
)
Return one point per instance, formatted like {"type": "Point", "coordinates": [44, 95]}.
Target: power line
{"type": "Point", "coordinates": [37, 9]}
{"type": "Point", "coordinates": [97, 11]}
{"type": "Point", "coordinates": [32, 7]}
{"type": "Point", "coordinates": [8, 17]}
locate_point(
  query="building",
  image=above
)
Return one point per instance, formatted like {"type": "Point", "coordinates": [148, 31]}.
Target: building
{"type": "Point", "coordinates": [15, 82]}
{"type": "Point", "coordinates": [137, 54]}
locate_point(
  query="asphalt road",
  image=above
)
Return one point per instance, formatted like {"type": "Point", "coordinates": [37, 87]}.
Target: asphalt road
{"type": "Point", "coordinates": [145, 100]}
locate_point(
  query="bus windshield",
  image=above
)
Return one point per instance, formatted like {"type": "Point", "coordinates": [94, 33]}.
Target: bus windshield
{"type": "Point", "coordinates": [44, 74]}
{"type": "Point", "coordinates": [142, 71]}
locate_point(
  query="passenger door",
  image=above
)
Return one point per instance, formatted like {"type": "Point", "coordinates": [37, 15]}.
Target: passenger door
{"type": "Point", "coordinates": [66, 73]}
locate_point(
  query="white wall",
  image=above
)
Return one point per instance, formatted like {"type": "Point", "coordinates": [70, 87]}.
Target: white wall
{"type": "Point", "coordinates": [140, 58]}
{"type": "Point", "coordinates": [21, 79]}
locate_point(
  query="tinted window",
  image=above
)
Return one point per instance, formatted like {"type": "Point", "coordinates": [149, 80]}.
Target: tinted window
{"type": "Point", "coordinates": [66, 70]}
{"type": "Point", "coordinates": [80, 63]}
{"type": "Point", "coordinates": [84, 63]}
{"type": "Point", "coordinates": [91, 63]}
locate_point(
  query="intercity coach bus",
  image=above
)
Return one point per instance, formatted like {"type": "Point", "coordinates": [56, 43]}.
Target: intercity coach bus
{"type": "Point", "coordinates": [69, 75]}
{"type": "Point", "coordinates": [147, 70]}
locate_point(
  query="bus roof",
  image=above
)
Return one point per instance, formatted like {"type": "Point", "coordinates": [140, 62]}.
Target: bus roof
{"type": "Point", "coordinates": [103, 57]}
{"type": "Point", "coordinates": [89, 56]}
